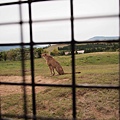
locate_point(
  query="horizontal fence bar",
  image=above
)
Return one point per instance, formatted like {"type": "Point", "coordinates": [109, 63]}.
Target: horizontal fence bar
{"type": "Point", "coordinates": [97, 17]}
{"type": "Point", "coordinates": [104, 86]}
{"type": "Point", "coordinates": [60, 42]}
{"type": "Point", "coordinates": [11, 23]}
{"type": "Point", "coordinates": [12, 3]}
{"type": "Point", "coordinates": [62, 19]}
{"type": "Point", "coordinates": [96, 41]}
{"type": "Point", "coordinates": [26, 1]}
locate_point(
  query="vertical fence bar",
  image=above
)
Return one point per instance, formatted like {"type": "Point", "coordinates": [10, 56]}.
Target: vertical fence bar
{"type": "Point", "coordinates": [32, 61]}
{"type": "Point", "coordinates": [73, 60]}
{"type": "Point", "coordinates": [119, 59]}
{"type": "Point", "coordinates": [0, 106]}
{"type": "Point", "coordinates": [23, 63]}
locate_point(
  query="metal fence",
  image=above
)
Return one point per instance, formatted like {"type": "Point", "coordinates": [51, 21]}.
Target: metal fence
{"type": "Point", "coordinates": [73, 86]}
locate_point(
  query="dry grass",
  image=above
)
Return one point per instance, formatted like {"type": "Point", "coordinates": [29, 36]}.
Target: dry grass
{"type": "Point", "coordinates": [92, 104]}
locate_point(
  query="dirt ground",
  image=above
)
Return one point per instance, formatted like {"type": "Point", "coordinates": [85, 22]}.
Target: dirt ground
{"type": "Point", "coordinates": [12, 89]}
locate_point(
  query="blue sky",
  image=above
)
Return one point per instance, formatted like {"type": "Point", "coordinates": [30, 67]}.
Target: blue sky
{"type": "Point", "coordinates": [60, 31]}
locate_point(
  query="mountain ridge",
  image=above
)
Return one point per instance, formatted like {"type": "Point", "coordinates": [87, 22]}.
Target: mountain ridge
{"type": "Point", "coordinates": [104, 38]}
{"type": "Point", "coordinates": [95, 38]}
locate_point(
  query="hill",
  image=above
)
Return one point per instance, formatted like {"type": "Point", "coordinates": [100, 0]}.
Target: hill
{"type": "Point", "coordinates": [104, 38]}
{"type": "Point", "coordinates": [95, 38]}
{"type": "Point", "coordinates": [52, 47]}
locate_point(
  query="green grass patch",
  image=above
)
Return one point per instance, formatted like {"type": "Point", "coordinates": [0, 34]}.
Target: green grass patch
{"type": "Point", "coordinates": [81, 60]}
{"type": "Point", "coordinates": [92, 104]}
{"type": "Point", "coordinates": [104, 58]}
{"type": "Point", "coordinates": [10, 68]}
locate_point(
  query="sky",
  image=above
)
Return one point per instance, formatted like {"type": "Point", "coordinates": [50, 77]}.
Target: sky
{"type": "Point", "coordinates": [56, 31]}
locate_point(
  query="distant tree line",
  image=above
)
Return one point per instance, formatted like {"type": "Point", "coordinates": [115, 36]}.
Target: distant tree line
{"type": "Point", "coordinates": [93, 47]}
{"type": "Point", "coordinates": [16, 54]}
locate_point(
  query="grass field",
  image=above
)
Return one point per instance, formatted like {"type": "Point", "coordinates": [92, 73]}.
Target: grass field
{"type": "Point", "coordinates": [92, 104]}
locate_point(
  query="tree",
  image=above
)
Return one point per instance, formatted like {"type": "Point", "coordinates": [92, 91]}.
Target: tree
{"type": "Point", "coordinates": [4, 55]}
{"type": "Point", "coordinates": [1, 56]}
{"type": "Point", "coordinates": [39, 52]}
{"type": "Point", "coordinates": [55, 52]}
{"type": "Point", "coordinates": [61, 53]}
{"type": "Point", "coordinates": [11, 55]}
{"type": "Point", "coordinates": [45, 51]}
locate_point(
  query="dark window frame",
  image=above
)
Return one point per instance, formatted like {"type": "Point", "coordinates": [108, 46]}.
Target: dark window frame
{"type": "Point", "coordinates": [73, 86]}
